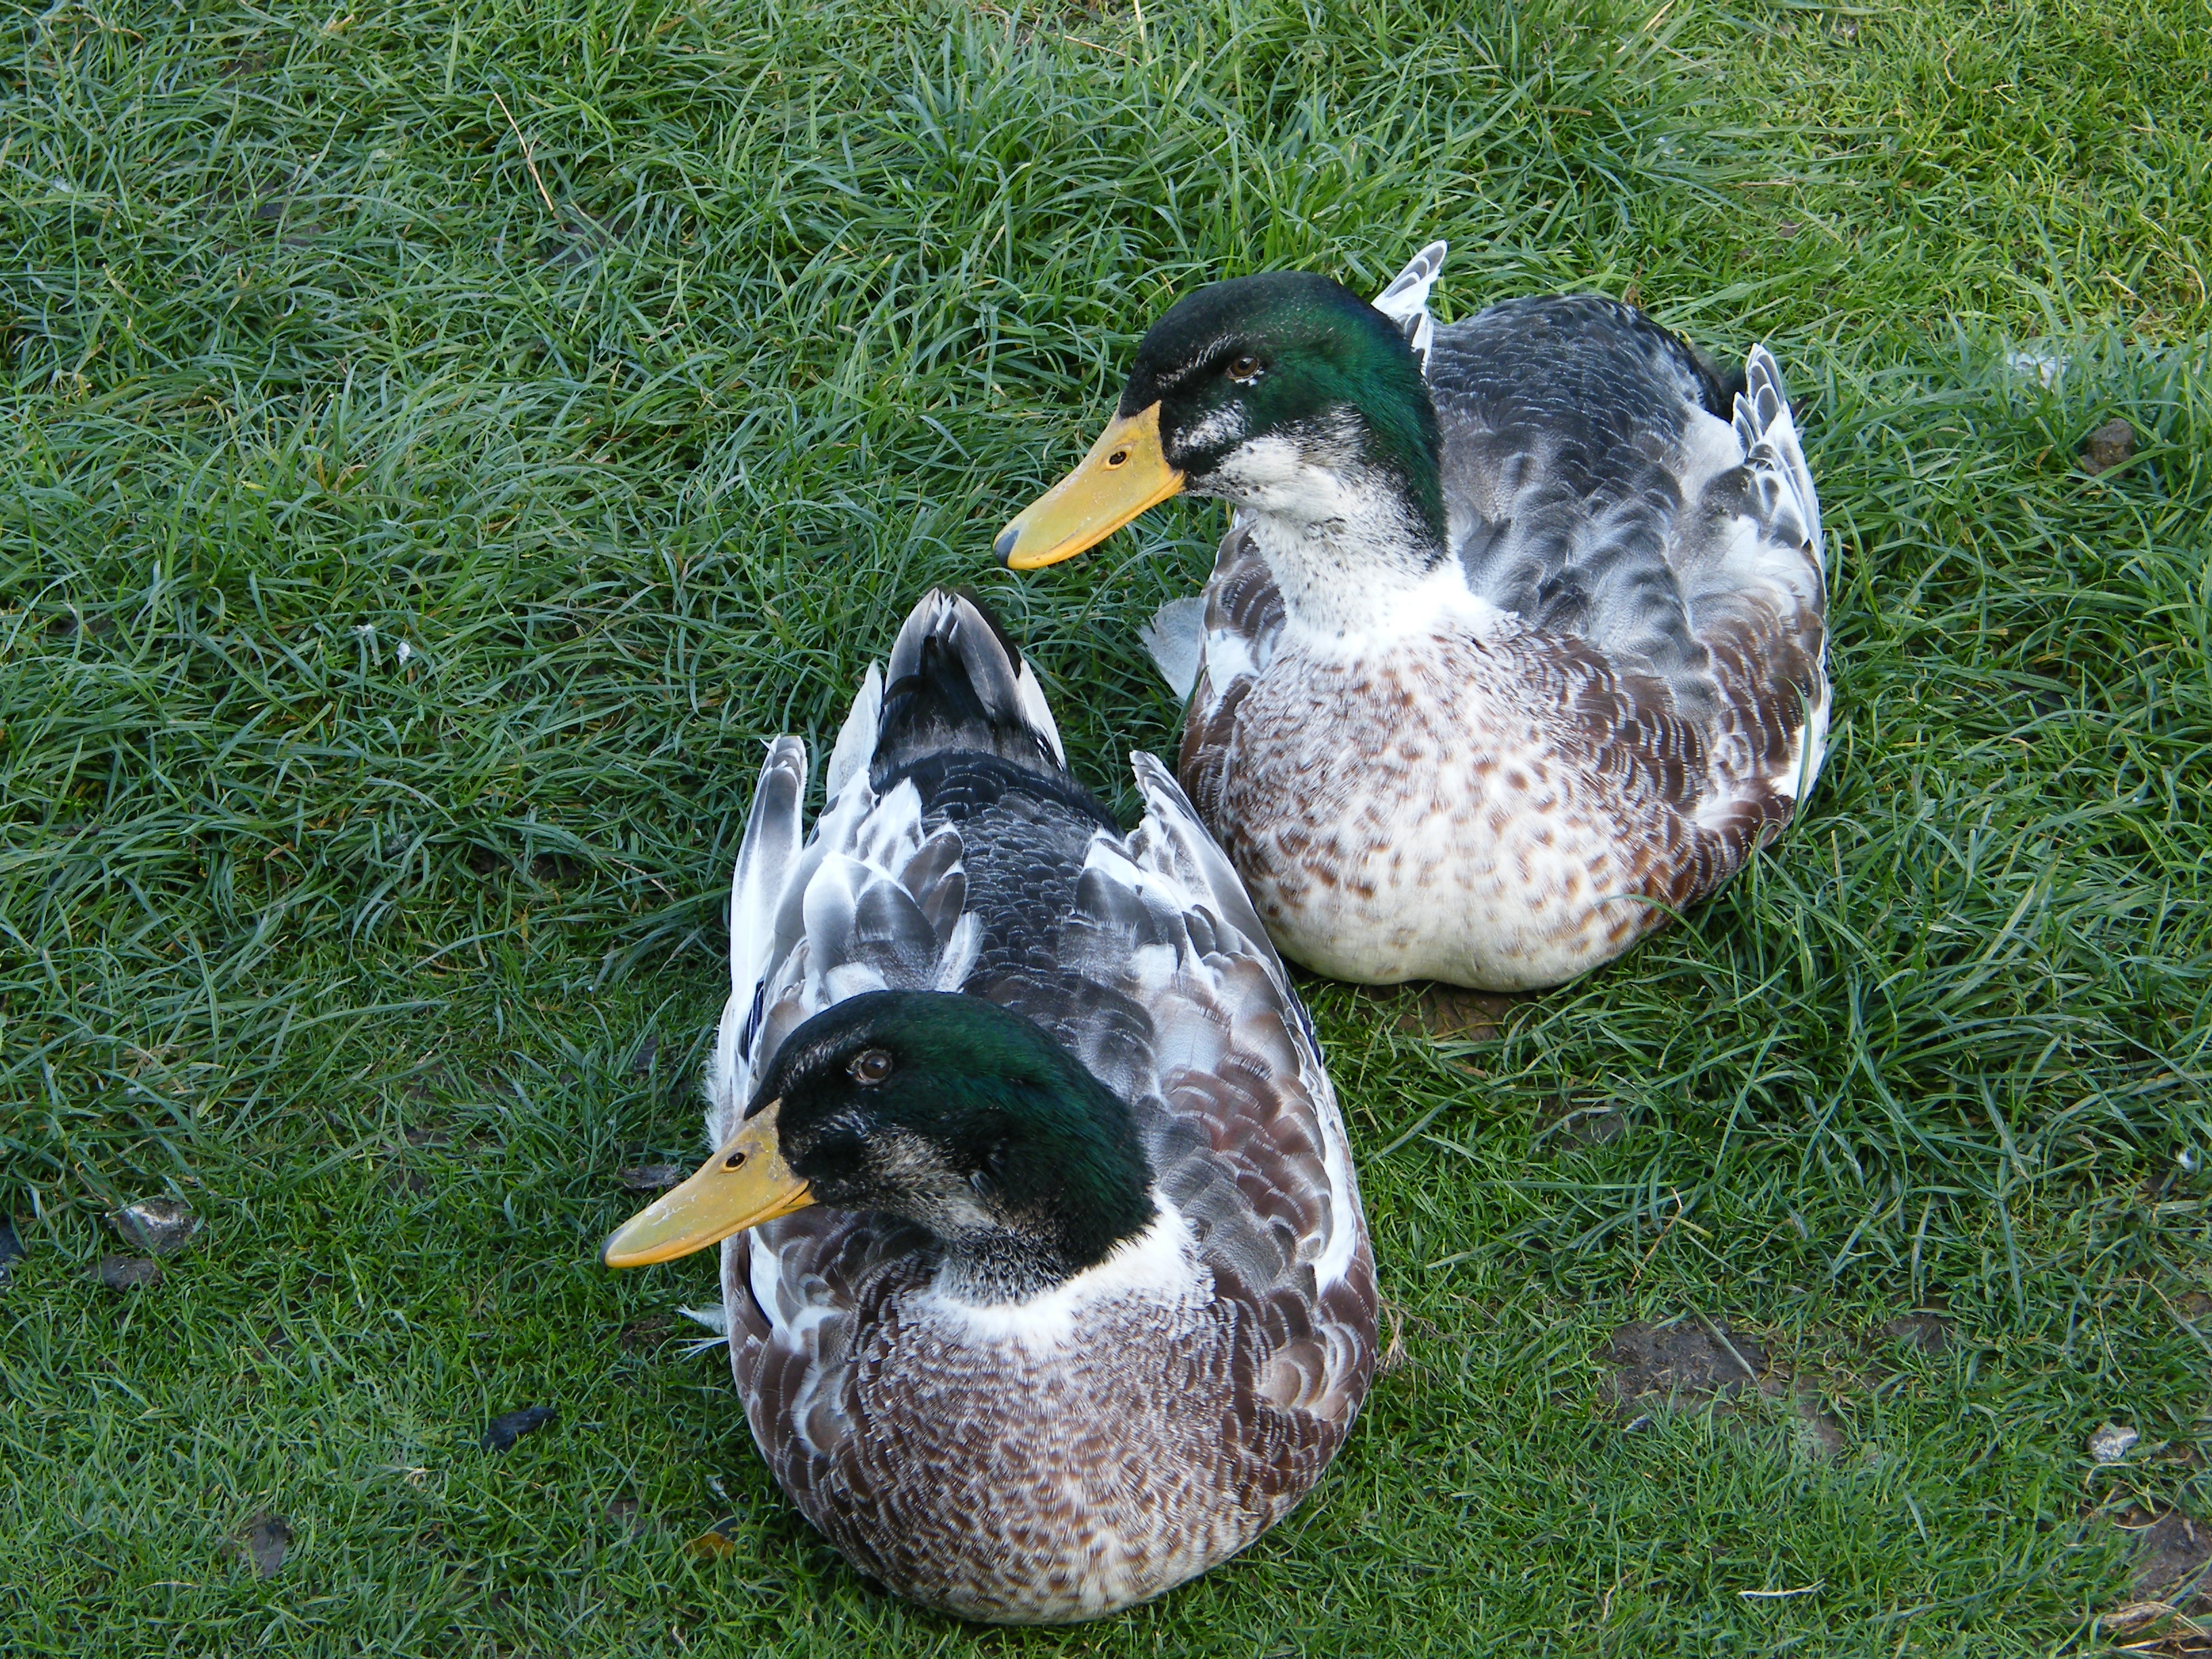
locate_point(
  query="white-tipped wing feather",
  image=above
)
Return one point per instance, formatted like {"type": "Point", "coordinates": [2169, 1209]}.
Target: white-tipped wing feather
{"type": "Point", "coordinates": [1768, 432]}
{"type": "Point", "coordinates": [758, 880]}
{"type": "Point", "coordinates": [856, 739]}
{"type": "Point", "coordinates": [1038, 712]}
{"type": "Point", "coordinates": [1172, 848]}
{"type": "Point", "coordinates": [1175, 638]}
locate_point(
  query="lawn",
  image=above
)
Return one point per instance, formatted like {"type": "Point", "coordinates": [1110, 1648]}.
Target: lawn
{"type": "Point", "coordinates": [444, 438]}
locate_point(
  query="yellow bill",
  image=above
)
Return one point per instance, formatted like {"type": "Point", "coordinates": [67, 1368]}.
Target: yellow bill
{"type": "Point", "coordinates": [1124, 473]}
{"type": "Point", "coordinates": [746, 1183]}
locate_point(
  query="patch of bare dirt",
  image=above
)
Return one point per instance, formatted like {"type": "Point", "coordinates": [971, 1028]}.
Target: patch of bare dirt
{"type": "Point", "coordinates": [1688, 1357]}
{"type": "Point", "coordinates": [263, 1544]}
{"type": "Point", "coordinates": [128, 1272]}
{"type": "Point", "coordinates": [1446, 1013]}
{"type": "Point", "coordinates": [2172, 1614]}
{"type": "Point", "coordinates": [1586, 1122]}
{"type": "Point", "coordinates": [2172, 1553]}
{"type": "Point", "coordinates": [1923, 1329]}
{"type": "Point", "coordinates": [1684, 1364]}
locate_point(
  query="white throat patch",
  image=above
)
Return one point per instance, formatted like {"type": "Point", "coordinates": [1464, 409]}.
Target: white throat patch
{"type": "Point", "coordinates": [1346, 551]}
{"type": "Point", "coordinates": [1157, 1265]}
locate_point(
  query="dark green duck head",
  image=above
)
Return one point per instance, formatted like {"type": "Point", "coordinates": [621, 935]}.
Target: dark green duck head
{"type": "Point", "coordinates": [1286, 393]}
{"type": "Point", "coordinates": [942, 1110]}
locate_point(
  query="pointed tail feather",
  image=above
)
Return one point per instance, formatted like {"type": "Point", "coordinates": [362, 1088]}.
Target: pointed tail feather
{"type": "Point", "coordinates": [956, 682]}
{"type": "Point", "coordinates": [856, 739]}
{"type": "Point", "coordinates": [1768, 432]}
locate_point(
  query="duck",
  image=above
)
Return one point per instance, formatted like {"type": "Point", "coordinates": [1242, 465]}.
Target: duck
{"type": "Point", "coordinates": [1046, 1280]}
{"type": "Point", "coordinates": [1515, 646]}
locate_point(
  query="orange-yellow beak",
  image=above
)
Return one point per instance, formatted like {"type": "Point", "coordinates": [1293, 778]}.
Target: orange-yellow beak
{"type": "Point", "coordinates": [1124, 473]}
{"type": "Point", "coordinates": [746, 1183]}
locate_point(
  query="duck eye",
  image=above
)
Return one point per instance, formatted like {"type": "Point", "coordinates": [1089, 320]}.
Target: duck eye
{"type": "Point", "coordinates": [870, 1066]}
{"type": "Point", "coordinates": [1245, 368]}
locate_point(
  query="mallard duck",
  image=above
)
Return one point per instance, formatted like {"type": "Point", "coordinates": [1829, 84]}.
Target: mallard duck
{"type": "Point", "coordinates": [1047, 1281]}
{"type": "Point", "coordinates": [1515, 647]}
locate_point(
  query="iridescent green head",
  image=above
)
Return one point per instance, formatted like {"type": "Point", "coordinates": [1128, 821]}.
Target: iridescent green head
{"type": "Point", "coordinates": [948, 1112]}
{"type": "Point", "coordinates": [1286, 393]}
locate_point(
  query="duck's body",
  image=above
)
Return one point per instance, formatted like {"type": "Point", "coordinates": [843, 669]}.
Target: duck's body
{"type": "Point", "coordinates": [1010, 1429]}
{"type": "Point", "coordinates": [1507, 771]}
{"type": "Point", "coordinates": [1494, 735]}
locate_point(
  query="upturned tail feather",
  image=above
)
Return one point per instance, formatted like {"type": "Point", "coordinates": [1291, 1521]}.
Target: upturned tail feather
{"type": "Point", "coordinates": [1405, 301]}
{"type": "Point", "coordinates": [956, 683]}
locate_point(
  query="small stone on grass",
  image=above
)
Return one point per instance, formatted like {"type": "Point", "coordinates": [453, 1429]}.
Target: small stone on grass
{"type": "Point", "coordinates": [508, 1427]}
{"type": "Point", "coordinates": [159, 1226]}
{"type": "Point", "coordinates": [2111, 1443]}
{"type": "Point", "coordinates": [2109, 445]}
{"type": "Point", "coordinates": [128, 1272]}
{"type": "Point", "coordinates": [654, 1177]}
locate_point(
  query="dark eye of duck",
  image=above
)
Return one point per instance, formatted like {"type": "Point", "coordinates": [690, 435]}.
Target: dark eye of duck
{"type": "Point", "coordinates": [1244, 369]}
{"type": "Point", "coordinates": [870, 1066]}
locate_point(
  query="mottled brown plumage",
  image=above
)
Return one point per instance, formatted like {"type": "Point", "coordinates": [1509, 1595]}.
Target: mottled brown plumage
{"type": "Point", "coordinates": [1091, 1445]}
{"type": "Point", "coordinates": [1500, 756]}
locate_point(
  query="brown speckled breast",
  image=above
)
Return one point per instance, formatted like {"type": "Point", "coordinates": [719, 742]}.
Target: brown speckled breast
{"type": "Point", "coordinates": [1016, 1486]}
{"type": "Point", "coordinates": [1491, 806]}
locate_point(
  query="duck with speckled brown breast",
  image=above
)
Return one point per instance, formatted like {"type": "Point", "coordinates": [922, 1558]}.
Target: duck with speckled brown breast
{"type": "Point", "coordinates": [1515, 646]}
{"type": "Point", "coordinates": [1046, 1281]}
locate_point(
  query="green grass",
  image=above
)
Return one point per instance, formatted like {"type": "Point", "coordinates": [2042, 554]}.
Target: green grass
{"type": "Point", "coordinates": [417, 510]}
